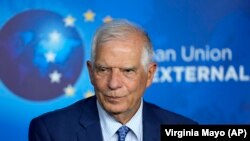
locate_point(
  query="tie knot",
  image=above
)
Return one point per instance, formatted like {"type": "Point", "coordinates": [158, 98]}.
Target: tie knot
{"type": "Point", "coordinates": [122, 132]}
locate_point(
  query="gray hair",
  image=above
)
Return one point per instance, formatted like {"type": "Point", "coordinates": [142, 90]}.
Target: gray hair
{"type": "Point", "coordinates": [120, 29]}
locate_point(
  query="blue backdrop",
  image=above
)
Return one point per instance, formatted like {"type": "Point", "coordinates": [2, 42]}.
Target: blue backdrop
{"type": "Point", "coordinates": [201, 47]}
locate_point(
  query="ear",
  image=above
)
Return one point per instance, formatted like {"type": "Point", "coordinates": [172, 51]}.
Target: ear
{"type": "Point", "coordinates": [90, 69]}
{"type": "Point", "coordinates": [150, 73]}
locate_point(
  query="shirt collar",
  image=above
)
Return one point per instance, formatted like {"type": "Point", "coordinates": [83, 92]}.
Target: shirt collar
{"type": "Point", "coordinates": [111, 125]}
{"type": "Point", "coordinates": [135, 123]}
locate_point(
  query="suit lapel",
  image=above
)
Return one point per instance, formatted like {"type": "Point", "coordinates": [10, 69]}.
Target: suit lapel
{"type": "Point", "coordinates": [90, 122]}
{"type": "Point", "coordinates": [151, 126]}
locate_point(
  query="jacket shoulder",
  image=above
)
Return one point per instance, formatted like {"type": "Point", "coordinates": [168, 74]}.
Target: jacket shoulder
{"type": "Point", "coordinates": [66, 116]}
{"type": "Point", "coordinates": [167, 117]}
{"type": "Point", "coordinates": [61, 124]}
{"type": "Point", "coordinates": [66, 112]}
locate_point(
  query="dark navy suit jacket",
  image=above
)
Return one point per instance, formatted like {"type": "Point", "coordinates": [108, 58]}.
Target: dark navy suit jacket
{"type": "Point", "coordinates": [80, 122]}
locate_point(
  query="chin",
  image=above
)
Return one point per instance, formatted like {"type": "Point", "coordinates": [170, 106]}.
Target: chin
{"type": "Point", "coordinates": [115, 110]}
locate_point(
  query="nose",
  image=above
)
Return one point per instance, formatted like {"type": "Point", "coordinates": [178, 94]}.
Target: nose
{"type": "Point", "coordinates": [115, 80]}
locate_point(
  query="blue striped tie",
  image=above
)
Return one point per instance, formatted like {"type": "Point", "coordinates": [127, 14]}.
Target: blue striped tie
{"type": "Point", "coordinates": [122, 132]}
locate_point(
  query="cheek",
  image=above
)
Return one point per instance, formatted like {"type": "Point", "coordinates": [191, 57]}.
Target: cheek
{"type": "Point", "coordinates": [100, 82]}
{"type": "Point", "coordinates": [131, 86]}
{"type": "Point", "coordinates": [135, 89]}
{"type": "Point", "coordinates": [137, 83]}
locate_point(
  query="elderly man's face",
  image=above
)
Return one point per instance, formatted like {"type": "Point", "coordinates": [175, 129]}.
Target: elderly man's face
{"type": "Point", "coordinates": [118, 75]}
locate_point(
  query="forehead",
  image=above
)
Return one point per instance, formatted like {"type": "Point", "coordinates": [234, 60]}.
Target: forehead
{"type": "Point", "coordinates": [120, 52]}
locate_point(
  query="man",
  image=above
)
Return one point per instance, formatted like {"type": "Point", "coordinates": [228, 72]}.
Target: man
{"type": "Point", "coordinates": [121, 68]}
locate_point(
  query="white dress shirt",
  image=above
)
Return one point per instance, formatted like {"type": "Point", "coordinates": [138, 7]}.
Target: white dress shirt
{"type": "Point", "coordinates": [109, 125]}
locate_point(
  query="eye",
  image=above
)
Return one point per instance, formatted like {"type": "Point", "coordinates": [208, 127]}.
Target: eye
{"type": "Point", "coordinates": [102, 70]}
{"type": "Point", "coordinates": [129, 72]}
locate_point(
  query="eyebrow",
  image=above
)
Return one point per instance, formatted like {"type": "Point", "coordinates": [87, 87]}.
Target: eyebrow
{"type": "Point", "coordinates": [97, 65]}
{"type": "Point", "coordinates": [132, 68]}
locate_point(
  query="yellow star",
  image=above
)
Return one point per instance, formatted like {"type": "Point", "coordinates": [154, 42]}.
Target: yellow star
{"type": "Point", "coordinates": [55, 77]}
{"type": "Point", "coordinates": [69, 91]}
{"type": "Point", "coordinates": [88, 94]}
{"type": "Point", "coordinates": [89, 16]}
{"type": "Point", "coordinates": [69, 21]}
{"type": "Point", "coordinates": [50, 57]}
{"type": "Point", "coordinates": [107, 19]}
{"type": "Point", "coordinates": [55, 36]}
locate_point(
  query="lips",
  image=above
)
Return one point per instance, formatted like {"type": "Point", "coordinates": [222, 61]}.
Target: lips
{"type": "Point", "coordinates": [114, 99]}
{"type": "Point", "coordinates": [114, 95]}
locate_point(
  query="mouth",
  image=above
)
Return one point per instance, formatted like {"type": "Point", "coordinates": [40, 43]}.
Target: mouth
{"type": "Point", "coordinates": [114, 99]}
